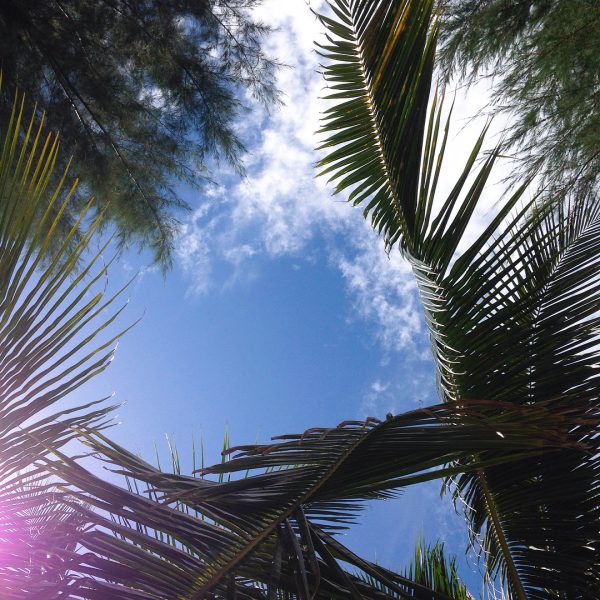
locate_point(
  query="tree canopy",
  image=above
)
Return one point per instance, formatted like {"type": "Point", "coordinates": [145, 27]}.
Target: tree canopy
{"type": "Point", "coordinates": [541, 58]}
{"type": "Point", "coordinates": [144, 94]}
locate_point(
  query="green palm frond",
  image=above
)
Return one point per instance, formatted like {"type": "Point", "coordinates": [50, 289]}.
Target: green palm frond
{"type": "Point", "coordinates": [514, 318]}
{"type": "Point", "coordinates": [271, 521]}
{"type": "Point", "coordinates": [53, 317]}
{"type": "Point", "coordinates": [431, 567]}
{"type": "Point", "coordinates": [542, 322]}
{"type": "Point", "coordinates": [379, 69]}
{"type": "Point", "coordinates": [433, 570]}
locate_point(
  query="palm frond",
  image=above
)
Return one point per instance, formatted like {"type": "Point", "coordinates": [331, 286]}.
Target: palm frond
{"type": "Point", "coordinates": [53, 315]}
{"type": "Point", "coordinates": [379, 69]}
{"type": "Point", "coordinates": [514, 318]}
{"type": "Point", "coordinates": [432, 569]}
{"type": "Point", "coordinates": [542, 324]}
{"type": "Point", "coordinates": [273, 517]}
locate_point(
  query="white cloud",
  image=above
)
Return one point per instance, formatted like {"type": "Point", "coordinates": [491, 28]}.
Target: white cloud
{"type": "Point", "coordinates": [281, 207]}
{"type": "Point", "coordinates": [407, 386]}
{"type": "Point", "coordinates": [372, 400]}
{"type": "Point", "coordinates": [377, 387]}
{"type": "Point", "coordinates": [194, 248]}
{"type": "Point", "coordinates": [383, 290]}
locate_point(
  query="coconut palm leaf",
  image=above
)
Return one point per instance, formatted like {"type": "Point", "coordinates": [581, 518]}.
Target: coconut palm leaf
{"type": "Point", "coordinates": [53, 315]}
{"type": "Point", "coordinates": [514, 318]}
{"type": "Point", "coordinates": [269, 524]}
{"type": "Point", "coordinates": [380, 62]}
{"type": "Point", "coordinates": [33, 524]}
{"type": "Point", "coordinates": [431, 568]}
{"type": "Point", "coordinates": [547, 511]}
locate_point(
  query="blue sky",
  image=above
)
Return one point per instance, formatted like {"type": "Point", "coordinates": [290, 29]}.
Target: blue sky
{"type": "Point", "coordinates": [282, 311]}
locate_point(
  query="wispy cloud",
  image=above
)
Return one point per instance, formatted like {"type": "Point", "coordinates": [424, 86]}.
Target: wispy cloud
{"type": "Point", "coordinates": [281, 209]}
{"type": "Point", "coordinates": [382, 289]}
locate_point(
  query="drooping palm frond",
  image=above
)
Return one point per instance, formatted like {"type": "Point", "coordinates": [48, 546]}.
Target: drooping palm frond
{"type": "Point", "coordinates": [513, 318]}
{"type": "Point", "coordinates": [270, 524]}
{"type": "Point", "coordinates": [53, 313]}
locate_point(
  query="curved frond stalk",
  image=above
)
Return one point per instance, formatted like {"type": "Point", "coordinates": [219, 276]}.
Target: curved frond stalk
{"type": "Point", "coordinates": [53, 318]}
{"type": "Point", "coordinates": [270, 514]}
{"type": "Point", "coordinates": [496, 530]}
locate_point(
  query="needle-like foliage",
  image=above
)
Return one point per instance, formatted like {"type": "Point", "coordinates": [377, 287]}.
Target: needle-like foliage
{"type": "Point", "coordinates": [540, 59]}
{"type": "Point", "coordinates": [146, 93]}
